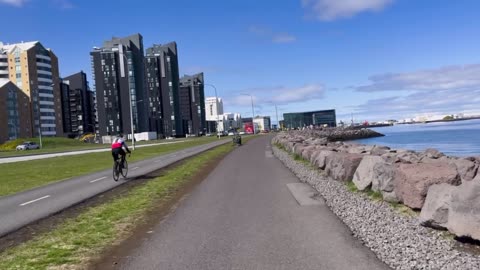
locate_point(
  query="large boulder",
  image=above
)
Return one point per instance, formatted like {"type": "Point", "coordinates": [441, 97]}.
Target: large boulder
{"type": "Point", "coordinates": [413, 180]}
{"type": "Point", "coordinates": [308, 151]}
{"type": "Point", "coordinates": [435, 209]}
{"type": "Point", "coordinates": [464, 211]}
{"type": "Point", "coordinates": [379, 150]}
{"type": "Point", "coordinates": [342, 166]}
{"type": "Point", "coordinates": [321, 159]}
{"type": "Point", "coordinates": [298, 148]}
{"type": "Point", "coordinates": [466, 168]}
{"type": "Point", "coordinates": [408, 157]}
{"type": "Point", "coordinates": [383, 177]}
{"type": "Point", "coordinates": [433, 153]}
{"type": "Point", "coordinates": [365, 173]}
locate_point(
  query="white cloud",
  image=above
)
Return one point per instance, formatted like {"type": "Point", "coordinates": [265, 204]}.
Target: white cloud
{"type": "Point", "coordinates": [443, 102]}
{"type": "Point", "coordinates": [445, 78]}
{"type": "Point", "coordinates": [283, 38]}
{"type": "Point", "coordinates": [17, 3]}
{"type": "Point", "coordinates": [329, 10]}
{"type": "Point", "coordinates": [63, 4]}
{"type": "Point", "coordinates": [279, 95]}
{"type": "Point", "coordinates": [269, 34]}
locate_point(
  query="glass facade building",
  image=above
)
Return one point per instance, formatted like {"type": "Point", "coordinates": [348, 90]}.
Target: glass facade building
{"type": "Point", "coordinates": [305, 119]}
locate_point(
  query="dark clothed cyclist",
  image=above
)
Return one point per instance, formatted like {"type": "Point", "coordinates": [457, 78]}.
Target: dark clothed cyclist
{"type": "Point", "coordinates": [118, 145]}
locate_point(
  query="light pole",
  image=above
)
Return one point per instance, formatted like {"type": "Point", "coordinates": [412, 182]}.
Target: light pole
{"type": "Point", "coordinates": [216, 105]}
{"type": "Point", "coordinates": [253, 112]}
{"type": "Point", "coordinates": [131, 119]}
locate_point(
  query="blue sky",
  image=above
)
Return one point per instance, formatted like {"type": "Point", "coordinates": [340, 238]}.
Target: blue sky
{"type": "Point", "coordinates": [375, 59]}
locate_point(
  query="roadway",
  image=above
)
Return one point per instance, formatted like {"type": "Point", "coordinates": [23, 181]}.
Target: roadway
{"type": "Point", "coordinates": [23, 208]}
{"type": "Point", "coordinates": [250, 213]}
{"type": "Point", "coordinates": [69, 153]}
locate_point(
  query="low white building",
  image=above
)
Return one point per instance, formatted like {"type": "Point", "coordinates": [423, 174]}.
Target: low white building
{"type": "Point", "coordinates": [262, 123]}
{"type": "Point", "coordinates": [229, 121]}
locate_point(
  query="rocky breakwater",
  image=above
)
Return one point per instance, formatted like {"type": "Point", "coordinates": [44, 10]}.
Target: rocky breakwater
{"type": "Point", "coordinates": [445, 189]}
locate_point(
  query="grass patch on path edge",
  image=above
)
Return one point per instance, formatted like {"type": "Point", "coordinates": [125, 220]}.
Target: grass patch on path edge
{"type": "Point", "coordinates": [25, 175]}
{"type": "Point", "coordinates": [73, 244]}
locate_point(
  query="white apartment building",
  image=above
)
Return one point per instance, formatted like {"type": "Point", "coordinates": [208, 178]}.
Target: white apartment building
{"type": "Point", "coordinates": [213, 108]}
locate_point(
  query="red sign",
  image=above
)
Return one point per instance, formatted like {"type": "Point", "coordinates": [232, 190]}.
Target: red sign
{"type": "Point", "coordinates": [248, 127]}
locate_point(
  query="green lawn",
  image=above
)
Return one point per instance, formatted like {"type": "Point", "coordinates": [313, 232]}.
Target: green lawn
{"type": "Point", "coordinates": [55, 145]}
{"type": "Point", "coordinates": [26, 175]}
{"type": "Point", "coordinates": [73, 244]}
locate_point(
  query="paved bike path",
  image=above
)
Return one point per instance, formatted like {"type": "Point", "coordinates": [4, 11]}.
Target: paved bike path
{"type": "Point", "coordinates": [243, 216]}
{"type": "Point", "coordinates": [23, 208]}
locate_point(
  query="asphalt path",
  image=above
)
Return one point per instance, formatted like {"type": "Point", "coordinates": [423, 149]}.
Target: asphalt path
{"type": "Point", "coordinates": [23, 208]}
{"type": "Point", "coordinates": [69, 153]}
{"type": "Point", "coordinates": [251, 213]}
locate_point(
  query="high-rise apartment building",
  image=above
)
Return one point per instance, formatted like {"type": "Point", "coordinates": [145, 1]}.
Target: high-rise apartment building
{"type": "Point", "coordinates": [162, 79]}
{"type": "Point", "coordinates": [192, 104]}
{"type": "Point", "coordinates": [34, 69]}
{"type": "Point", "coordinates": [78, 106]}
{"type": "Point", "coordinates": [118, 72]}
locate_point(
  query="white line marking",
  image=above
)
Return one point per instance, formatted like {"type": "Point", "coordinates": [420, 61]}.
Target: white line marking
{"type": "Point", "coordinates": [101, 178]}
{"type": "Point", "coordinates": [135, 168]}
{"type": "Point", "coordinates": [44, 197]}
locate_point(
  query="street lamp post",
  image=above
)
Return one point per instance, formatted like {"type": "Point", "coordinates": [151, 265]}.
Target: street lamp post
{"type": "Point", "coordinates": [216, 104]}
{"type": "Point", "coordinates": [253, 112]}
{"type": "Point", "coordinates": [131, 120]}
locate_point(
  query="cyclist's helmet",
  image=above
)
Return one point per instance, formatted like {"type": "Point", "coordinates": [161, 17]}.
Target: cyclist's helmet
{"type": "Point", "coordinates": [120, 135]}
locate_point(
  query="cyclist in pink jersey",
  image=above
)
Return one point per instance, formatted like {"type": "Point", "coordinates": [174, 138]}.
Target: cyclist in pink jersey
{"type": "Point", "coordinates": [117, 148]}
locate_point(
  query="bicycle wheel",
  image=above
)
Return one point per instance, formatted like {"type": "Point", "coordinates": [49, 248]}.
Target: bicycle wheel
{"type": "Point", "coordinates": [116, 172]}
{"type": "Point", "coordinates": [124, 170]}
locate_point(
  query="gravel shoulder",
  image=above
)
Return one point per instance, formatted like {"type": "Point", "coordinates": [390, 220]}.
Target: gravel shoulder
{"type": "Point", "coordinates": [398, 240]}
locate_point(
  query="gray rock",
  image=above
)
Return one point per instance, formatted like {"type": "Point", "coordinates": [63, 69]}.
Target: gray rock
{"type": "Point", "coordinates": [379, 150]}
{"type": "Point", "coordinates": [408, 157]}
{"type": "Point", "coordinates": [413, 180]}
{"type": "Point", "coordinates": [321, 159]}
{"type": "Point", "coordinates": [464, 211]}
{"type": "Point", "coordinates": [390, 196]}
{"type": "Point", "coordinates": [383, 177]}
{"type": "Point", "coordinates": [466, 168]}
{"type": "Point", "coordinates": [342, 166]}
{"type": "Point", "coordinates": [365, 173]}
{"type": "Point", "coordinates": [433, 153]}
{"type": "Point", "coordinates": [435, 210]}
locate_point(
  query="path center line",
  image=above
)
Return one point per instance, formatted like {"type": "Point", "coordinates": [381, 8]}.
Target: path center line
{"type": "Point", "coordinates": [101, 178]}
{"type": "Point", "coordinates": [135, 168]}
{"type": "Point", "coordinates": [36, 200]}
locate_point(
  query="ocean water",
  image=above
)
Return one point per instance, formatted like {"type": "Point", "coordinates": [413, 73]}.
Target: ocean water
{"type": "Point", "coordinates": [459, 138]}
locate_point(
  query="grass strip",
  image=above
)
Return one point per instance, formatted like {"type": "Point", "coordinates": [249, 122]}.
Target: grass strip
{"type": "Point", "coordinates": [53, 145]}
{"type": "Point", "coordinates": [79, 240]}
{"type": "Point", "coordinates": [21, 176]}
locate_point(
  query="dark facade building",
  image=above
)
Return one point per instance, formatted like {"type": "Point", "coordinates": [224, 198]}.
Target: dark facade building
{"type": "Point", "coordinates": [162, 78]}
{"type": "Point", "coordinates": [315, 118]}
{"type": "Point", "coordinates": [14, 112]}
{"type": "Point", "coordinates": [67, 118]}
{"type": "Point", "coordinates": [78, 105]}
{"type": "Point", "coordinates": [192, 104]}
{"type": "Point", "coordinates": [118, 72]}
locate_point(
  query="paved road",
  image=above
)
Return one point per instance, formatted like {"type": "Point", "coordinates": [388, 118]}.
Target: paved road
{"type": "Point", "coordinates": [69, 153]}
{"type": "Point", "coordinates": [26, 207]}
{"type": "Point", "coordinates": [243, 216]}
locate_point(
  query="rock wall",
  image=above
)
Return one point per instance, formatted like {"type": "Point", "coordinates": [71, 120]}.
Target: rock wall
{"type": "Point", "coordinates": [445, 189]}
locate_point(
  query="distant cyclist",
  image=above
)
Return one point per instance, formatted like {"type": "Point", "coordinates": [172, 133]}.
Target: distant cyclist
{"type": "Point", "coordinates": [117, 148]}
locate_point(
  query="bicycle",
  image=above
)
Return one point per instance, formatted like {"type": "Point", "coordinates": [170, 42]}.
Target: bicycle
{"type": "Point", "coordinates": [118, 169]}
